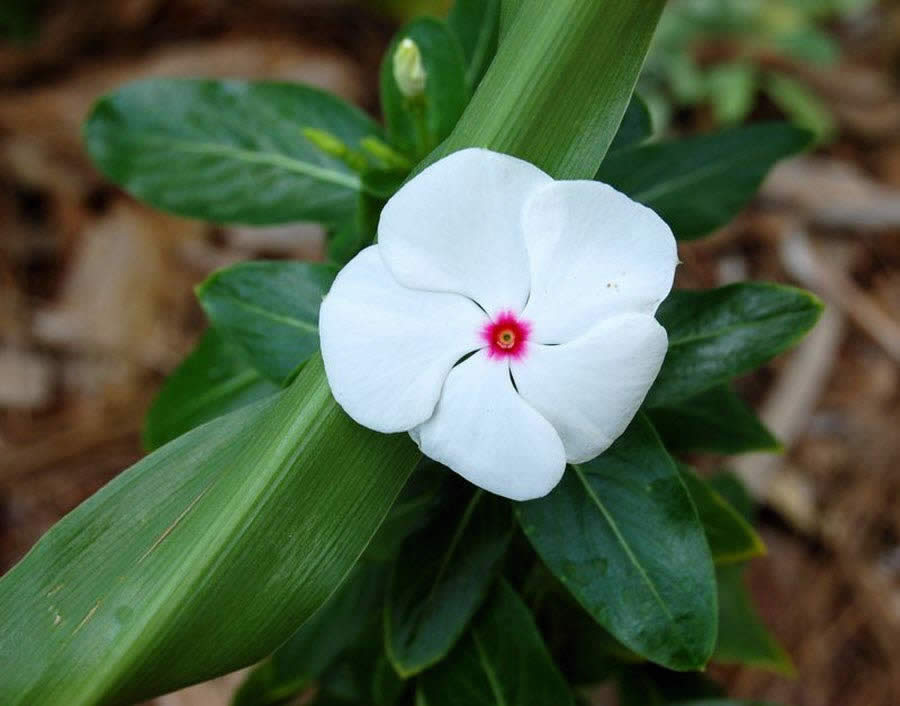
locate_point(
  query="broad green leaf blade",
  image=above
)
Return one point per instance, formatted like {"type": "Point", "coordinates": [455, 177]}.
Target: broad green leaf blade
{"type": "Point", "coordinates": [717, 334]}
{"type": "Point", "coordinates": [270, 310]}
{"type": "Point", "coordinates": [228, 151]}
{"type": "Point", "coordinates": [715, 420]}
{"type": "Point", "coordinates": [743, 637]}
{"type": "Point", "coordinates": [502, 661]}
{"type": "Point", "coordinates": [731, 538]}
{"type": "Point", "coordinates": [213, 380]}
{"type": "Point", "coordinates": [347, 615]}
{"type": "Point", "coordinates": [417, 126]}
{"type": "Point", "coordinates": [201, 558]}
{"type": "Point", "coordinates": [476, 24]}
{"type": "Point", "coordinates": [432, 595]}
{"type": "Point", "coordinates": [700, 183]}
{"type": "Point", "coordinates": [636, 125]}
{"type": "Point", "coordinates": [594, 49]}
{"type": "Point", "coordinates": [622, 534]}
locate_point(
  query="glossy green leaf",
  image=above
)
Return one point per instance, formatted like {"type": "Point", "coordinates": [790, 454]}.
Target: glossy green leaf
{"type": "Point", "coordinates": [699, 183]}
{"type": "Point", "coordinates": [636, 126]}
{"type": "Point", "coordinates": [213, 380]}
{"type": "Point", "coordinates": [228, 151]}
{"type": "Point", "coordinates": [351, 611]}
{"type": "Point", "coordinates": [717, 334]}
{"type": "Point", "coordinates": [476, 24]}
{"type": "Point", "coordinates": [715, 420]}
{"type": "Point", "coordinates": [433, 594]}
{"type": "Point", "coordinates": [502, 661]}
{"type": "Point", "coordinates": [731, 538]}
{"type": "Point", "coordinates": [594, 49]}
{"type": "Point", "coordinates": [417, 125]}
{"type": "Point", "coordinates": [270, 310]}
{"type": "Point", "coordinates": [227, 538]}
{"type": "Point", "coordinates": [743, 637]}
{"type": "Point", "coordinates": [623, 536]}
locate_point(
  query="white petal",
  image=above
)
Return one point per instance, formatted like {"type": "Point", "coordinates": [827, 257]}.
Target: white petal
{"type": "Point", "coordinates": [457, 227]}
{"type": "Point", "coordinates": [594, 253]}
{"type": "Point", "coordinates": [387, 349]}
{"type": "Point", "coordinates": [590, 388]}
{"type": "Point", "coordinates": [486, 432]}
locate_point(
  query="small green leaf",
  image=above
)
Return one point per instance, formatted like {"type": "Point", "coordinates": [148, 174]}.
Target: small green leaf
{"type": "Point", "coordinates": [717, 334]}
{"type": "Point", "coordinates": [731, 487]}
{"type": "Point", "coordinates": [270, 310]}
{"type": "Point", "coordinates": [715, 420]}
{"type": "Point", "coordinates": [228, 151]}
{"type": "Point", "coordinates": [476, 24]}
{"type": "Point", "coordinates": [501, 662]}
{"type": "Point", "coordinates": [731, 538]}
{"type": "Point", "coordinates": [213, 380]}
{"type": "Point", "coordinates": [743, 637]}
{"type": "Point", "coordinates": [732, 89]}
{"type": "Point", "coordinates": [417, 125]}
{"type": "Point", "coordinates": [636, 126]}
{"type": "Point", "coordinates": [700, 183]}
{"type": "Point", "coordinates": [256, 516]}
{"type": "Point", "coordinates": [802, 106]}
{"type": "Point", "coordinates": [622, 535]}
{"type": "Point", "coordinates": [432, 595]}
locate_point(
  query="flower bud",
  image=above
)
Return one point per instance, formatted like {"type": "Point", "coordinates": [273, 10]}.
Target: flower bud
{"type": "Point", "coordinates": [409, 71]}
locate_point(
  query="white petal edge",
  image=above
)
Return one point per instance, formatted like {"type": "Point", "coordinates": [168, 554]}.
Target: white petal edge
{"type": "Point", "coordinates": [590, 388]}
{"type": "Point", "coordinates": [388, 349]}
{"type": "Point", "coordinates": [457, 227]}
{"type": "Point", "coordinates": [593, 253]}
{"type": "Point", "coordinates": [486, 432]}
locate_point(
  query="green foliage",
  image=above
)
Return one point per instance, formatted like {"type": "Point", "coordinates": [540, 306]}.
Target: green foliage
{"type": "Point", "coordinates": [270, 310]}
{"type": "Point", "coordinates": [622, 534]}
{"type": "Point", "coordinates": [501, 661]}
{"type": "Point", "coordinates": [432, 596]}
{"type": "Point", "coordinates": [213, 380]}
{"type": "Point", "coordinates": [700, 183]}
{"type": "Point", "coordinates": [714, 420]}
{"type": "Point", "coordinates": [636, 125]}
{"type": "Point", "coordinates": [229, 151]}
{"type": "Point", "coordinates": [717, 334]}
{"type": "Point", "coordinates": [476, 24]}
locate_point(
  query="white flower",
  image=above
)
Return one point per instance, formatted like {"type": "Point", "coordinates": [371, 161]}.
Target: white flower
{"type": "Point", "coordinates": [504, 319]}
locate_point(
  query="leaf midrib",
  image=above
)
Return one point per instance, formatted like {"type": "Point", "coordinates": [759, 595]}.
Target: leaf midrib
{"type": "Point", "coordinates": [269, 314]}
{"type": "Point", "coordinates": [747, 323]}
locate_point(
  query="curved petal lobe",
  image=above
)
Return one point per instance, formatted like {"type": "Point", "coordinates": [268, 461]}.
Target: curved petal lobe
{"type": "Point", "coordinates": [457, 227]}
{"type": "Point", "coordinates": [590, 388]}
{"type": "Point", "coordinates": [594, 253]}
{"type": "Point", "coordinates": [387, 349]}
{"type": "Point", "coordinates": [486, 432]}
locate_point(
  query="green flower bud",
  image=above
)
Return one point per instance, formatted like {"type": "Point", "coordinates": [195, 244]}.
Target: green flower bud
{"type": "Point", "coordinates": [409, 71]}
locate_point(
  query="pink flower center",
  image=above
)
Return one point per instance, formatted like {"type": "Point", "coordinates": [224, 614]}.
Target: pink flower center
{"type": "Point", "coordinates": [506, 336]}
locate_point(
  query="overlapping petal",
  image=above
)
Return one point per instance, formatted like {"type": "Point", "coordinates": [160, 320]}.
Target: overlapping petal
{"type": "Point", "coordinates": [486, 432]}
{"type": "Point", "coordinates": [590, 388]}
{"type": "Point", "coordinates": [387, 349]}
{"type": "Point", "coordinates": [457, 227]}
{"type": "Point", "coordinates": [593, 253]}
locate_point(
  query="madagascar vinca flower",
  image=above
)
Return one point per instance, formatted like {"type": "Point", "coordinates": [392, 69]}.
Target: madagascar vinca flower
{"type": "Point", "coordinates": [504, 319]}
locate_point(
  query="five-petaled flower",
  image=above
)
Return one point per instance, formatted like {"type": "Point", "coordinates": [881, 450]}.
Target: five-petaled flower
{"type": "Point", "coordinates": [504, 319]}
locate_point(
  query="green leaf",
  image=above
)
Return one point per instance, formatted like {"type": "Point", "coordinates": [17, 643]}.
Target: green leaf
{"type": "Point", "coordinates": [743, 637]}
{"type": "Point", "coordinates": [213, 380]}
{"type": "Point", "coordinates": [228, 151]}
{"type": "Point", "coordinates": [636, 127]}
{"type": "Point", "coordinates": [802, 106]}
{"type": "Point", "coordinates": [731, 538]}
{"type": "Point", "coordinates": [559, 85]}
{"type": "Point", "coordinates": [623, 536]}
{"type": "Point", "coordinates": [432, 595]}
{"type": "Point", "coordinates": [715, 420]}
{"type": "Point", "coordinates": [417, 126]}
{"type": "Point", "coordinates": [501, 662]}
{"type": "Point", "coordinates": [731, 487]}
{"type": "Point", "coordinates": [270, 310]}
{"type": "Point", "coordinates": [347, 615]}
{"type": "Point", "coordinates": [700, 183]}
{"type": "Point", "coordinates": [476, 24]}
{"type": "Point", "coordinates": [227, 538]}
{"type": "Point", "coordinates": [649, 685]}
{"type": "Point", "coordinates": [717, 334]}
{"type": "Point", "coordinates": [732, 89]}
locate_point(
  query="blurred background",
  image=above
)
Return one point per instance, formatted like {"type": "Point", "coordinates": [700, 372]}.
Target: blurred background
{"type": "Point", "coordinates": [96, 302]}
